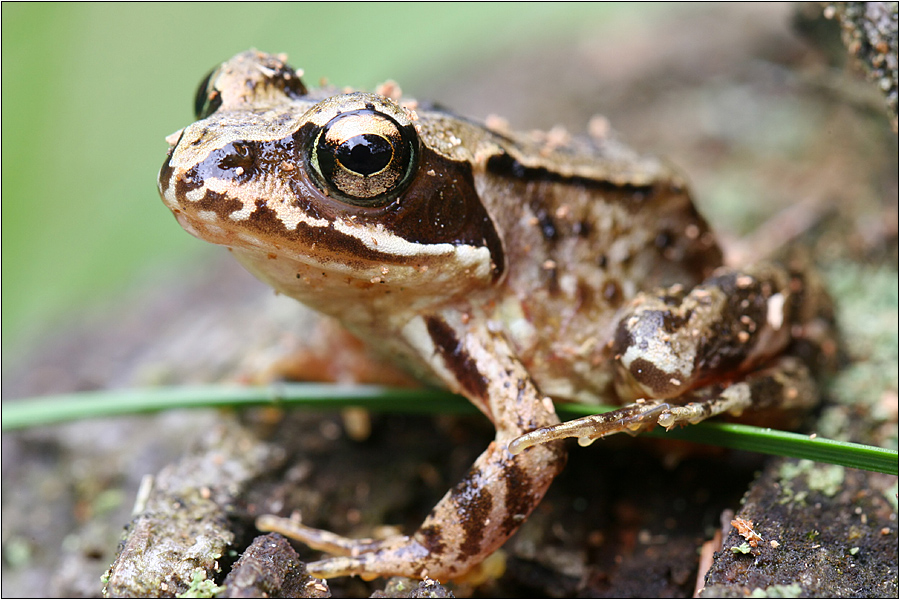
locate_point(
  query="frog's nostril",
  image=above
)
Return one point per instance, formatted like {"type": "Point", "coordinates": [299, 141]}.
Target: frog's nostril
{"type": "Point", "coordinates": [237, 155]}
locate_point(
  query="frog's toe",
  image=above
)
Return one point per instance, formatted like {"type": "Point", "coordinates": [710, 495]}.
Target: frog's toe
{"type": "Point", "coordinates": [321, 539]}
{"type": "Point", "coordinates": [365, 557]}
{"type": "Point", "coordinates": [366, 566]}
{"type": "Point", "coordinates": [334, 567]}
{"type": "Point", "coordinates": [631, 419]}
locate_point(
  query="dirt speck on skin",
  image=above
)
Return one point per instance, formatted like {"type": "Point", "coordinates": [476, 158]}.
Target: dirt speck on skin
{"type": "Point", "coordinates": [771, 137]}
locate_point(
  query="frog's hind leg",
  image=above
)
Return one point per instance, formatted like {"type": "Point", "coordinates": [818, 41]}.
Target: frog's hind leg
{"type": "Point", "coordinates": [672, 341]}
{"type": "Point", "coordinates": [787, 386]}
{"type": "Point", "coordinates": [467, 525]}
{"type": "Point", "coordinates": [496, 495]}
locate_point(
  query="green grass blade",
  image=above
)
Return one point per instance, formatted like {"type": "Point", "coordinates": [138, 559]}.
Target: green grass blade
{"type": "Point", "coordinates": [46, 410]}
{"type": "Point", "coordinates": [785, 443]}
{"type": "Point", "coordinates": [768, 441]}
{"type": "Point", "coordinates": [68, 407]}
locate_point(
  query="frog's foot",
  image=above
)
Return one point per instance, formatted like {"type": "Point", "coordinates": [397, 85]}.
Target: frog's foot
{"type": "Point", "coordinates": [319, 538]}
{"type": "Point", "coordinates": [787, 385]}
{"type": "Point", "coordinates": [469, 523]}
{"type": "Point", "coordinates": [352, 556]}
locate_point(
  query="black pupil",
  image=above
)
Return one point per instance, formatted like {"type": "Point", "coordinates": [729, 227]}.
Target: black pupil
{"type": "Point", "coordinates": [365, 154]}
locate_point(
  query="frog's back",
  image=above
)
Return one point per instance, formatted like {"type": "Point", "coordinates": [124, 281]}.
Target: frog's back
{"type": "Point", "coordinates": [587, 223]}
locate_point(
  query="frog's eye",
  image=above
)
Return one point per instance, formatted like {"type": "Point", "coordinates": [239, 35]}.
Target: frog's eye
{"type": "Point", "coordinates": [249, 78]}
{"type": "Point", "coordinates": [363, 157]}
{"type": "Point", "coordinates": [208, 99]}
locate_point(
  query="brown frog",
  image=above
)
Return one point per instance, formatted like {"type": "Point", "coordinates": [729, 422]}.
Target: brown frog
{"type": "Point", "coordinates": [509, 268]}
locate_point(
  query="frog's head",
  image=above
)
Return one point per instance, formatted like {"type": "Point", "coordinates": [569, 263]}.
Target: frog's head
{"type": "Point", "coordinates": [325, 193]}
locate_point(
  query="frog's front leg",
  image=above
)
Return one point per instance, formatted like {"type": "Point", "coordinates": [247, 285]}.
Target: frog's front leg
{"type": "Point", "coordinates": [787, 385]}
{"type": "Point", "coordinates": [686, 356]}
{"type": "Point", "coordinates": [497, 494]}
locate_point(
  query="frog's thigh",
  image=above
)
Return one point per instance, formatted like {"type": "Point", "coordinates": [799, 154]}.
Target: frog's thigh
{"type": "Point", "coordinates": [672, 341]}
{"type": "Point", "coordinates": [787, 385]}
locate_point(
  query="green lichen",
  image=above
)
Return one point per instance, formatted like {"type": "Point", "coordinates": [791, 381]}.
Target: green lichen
{"type": "Point", "coordinates": [867, 314]}
{"type": "Point", "coordinates": [826, 479]}
{"type": "Point", "coordinates": [744, 548]}
{"type": "Point", "coordinates": [778, 591]}
{"type": "Point", "coordinates": [790, 470]}
{"type": "Point", "coordinates": [201, 587]}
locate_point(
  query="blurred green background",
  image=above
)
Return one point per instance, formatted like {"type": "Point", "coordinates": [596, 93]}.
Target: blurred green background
{"type": "Point", "coordinates": [91, 90]}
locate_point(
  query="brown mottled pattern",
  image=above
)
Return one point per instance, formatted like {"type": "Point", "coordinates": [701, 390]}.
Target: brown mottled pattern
{"type": "Point", "coordinates": [221, 204]}
{"type": "Point", "coordinates": [649, 374]}
{"type": "Point", "coordinates": [455, 357]}
{"type": "Point", "coordinates": [725, 320]}
{"type": "Point", "coordinates": [241, 80]}
{"type": "Point", "coordinates": [474, 502]}
{"type": "Point", "coordinates": [439, 206]}
{"type": "Point", "coordinates": [520, 500]}
{"type": "Point", "coordinates": [264, 220]}
{"type": "Point", "coordinates": [722, 350]}
{"type": "Point", "coordinates": [350, 248]}
{"type": "Point", "coordinates": [432, 537]}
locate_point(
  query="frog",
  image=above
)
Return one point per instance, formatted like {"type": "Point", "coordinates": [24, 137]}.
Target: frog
{"type": "Point", "coordinates": [516, 269]}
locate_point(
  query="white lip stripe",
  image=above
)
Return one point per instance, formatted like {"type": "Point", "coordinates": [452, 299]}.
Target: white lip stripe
{"type": "Point", "coordinates": [377, 238]}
